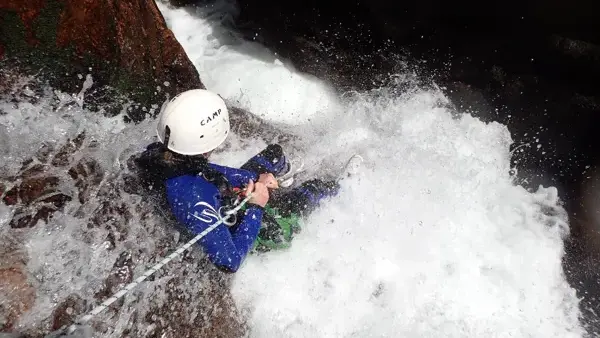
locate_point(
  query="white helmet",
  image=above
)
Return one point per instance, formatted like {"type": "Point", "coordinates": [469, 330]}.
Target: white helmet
{"type": "Point", "coordinates": [197, 121]}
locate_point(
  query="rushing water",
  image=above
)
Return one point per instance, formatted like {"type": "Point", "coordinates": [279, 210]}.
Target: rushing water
{"type": "Point", "coordinates": [433, 238]}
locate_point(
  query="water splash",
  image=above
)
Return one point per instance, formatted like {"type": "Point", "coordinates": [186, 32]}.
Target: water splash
{"type": "Point", "coordinates": [433, 238]}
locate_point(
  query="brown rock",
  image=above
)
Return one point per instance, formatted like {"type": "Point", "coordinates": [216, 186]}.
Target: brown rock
{"type": "Point", "coordinates": [27, 10]}
{"type": "Point", "coordinates": [27, 217]}
{"type": "Point", "coordinates": [35, 192]}
{"type": "Point", "coordinates": [126, 43]}
{"type": "Point", "coordinates": [12, 196]}
{"type": "Point", "coordinates": [67, 311]}
{"type": "Point", "coordinates": [17, 296]}
{"type": "Point", "coordinates": [30, 170]}
{"type": "Point", "coordinates": [87, 174]}
{"type": "Point", "coordinates": [33, 188]}
{"type": "Point", "coordinates": [56, 201]}
{"type": "Point", "coordinates": [36, 198]}
{"type": "Point", "coordinates": [62, 157]}
{"type": "Point", "coordinates": [12, 252]}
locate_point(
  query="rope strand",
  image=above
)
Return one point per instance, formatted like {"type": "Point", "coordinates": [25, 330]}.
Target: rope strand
{"type": "Point", "coordinates": [147, 274]}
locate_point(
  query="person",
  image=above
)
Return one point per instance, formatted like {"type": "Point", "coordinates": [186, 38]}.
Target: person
{"type": "Point", "coordinates": [198, 193]}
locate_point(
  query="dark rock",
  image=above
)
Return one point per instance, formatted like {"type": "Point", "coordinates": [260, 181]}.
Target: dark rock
{"type": "Point", "coordinates": [87, 174]}
{"type": "Point", "coordinates": [121, 274]}
{"type": "Point", "coordinates": [181, 3]}
{"type": "Point", "coordinates": [217, 316]}
{"type": "Point", "coordinates": [38, 210]}
{"type": "Point", "coordinates": [332, 41]}
{"type": "Point", "coordinates": [33, 188]}
{"type": "Point", "coordinates": [36, 195]}
{"type": "Point", "coordinates": [67, 311]}
{"type": "Point", "coordinates": [30, 170]}
{"type": "Point", "coordinates": [11, 197]}
{"type": "Point", "coordinates": [14, 89]}
{"type": "Point", "coordinates": [358, 39]}
{"type": "Point", "coordinates": [210, 312]}
{"type": "Point", "coordinates": [62, 157]}
{"type": "Point", "coordinates": [125, 46]}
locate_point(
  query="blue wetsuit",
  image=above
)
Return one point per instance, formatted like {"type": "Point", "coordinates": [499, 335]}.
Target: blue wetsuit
{"type": "Point", "coordinates": [194, 199]}
{"type": "Point", "coordinates": [195, 202]}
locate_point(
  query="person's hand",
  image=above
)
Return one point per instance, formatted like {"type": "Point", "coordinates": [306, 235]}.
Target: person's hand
{"type": "Point", "coordinates": [269, 180]}
{"type": "Point", "coordinates": [260, 193]}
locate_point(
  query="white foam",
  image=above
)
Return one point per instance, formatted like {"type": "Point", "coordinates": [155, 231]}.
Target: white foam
{"type": "Point", "coordinates": [434, 239]}
{"type": "Point", "coordinates": [248, 74]}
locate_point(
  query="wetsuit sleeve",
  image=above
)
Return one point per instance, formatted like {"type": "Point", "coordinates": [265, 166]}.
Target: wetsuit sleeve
{"type": "Point", "coordinates": [237, 177]}
{"type": "Point", "coordinates": [226, 249]}
{"type": "Point", "coordinates": [270, 160]}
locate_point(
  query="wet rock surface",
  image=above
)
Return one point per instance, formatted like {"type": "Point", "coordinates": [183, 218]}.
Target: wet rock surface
{"type": "Point", "coordinates": [125, 45]}
{"type": "Point", "coordinates": [77, 231]}
{"type": "Point", "coordinates": [72, 233]}
{"type": "Point", "coordinates": [213, 313]}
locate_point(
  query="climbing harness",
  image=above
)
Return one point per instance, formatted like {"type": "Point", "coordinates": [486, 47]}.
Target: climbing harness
{"type": "Point", "coordinates": [148, 273]}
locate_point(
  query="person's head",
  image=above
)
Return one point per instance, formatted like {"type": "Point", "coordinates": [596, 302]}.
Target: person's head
{"type": "Point", "coordinates": [193, 123]}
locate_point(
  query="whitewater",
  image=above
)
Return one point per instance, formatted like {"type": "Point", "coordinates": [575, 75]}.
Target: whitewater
{"type": "Point", "coordinates": [433, 238]}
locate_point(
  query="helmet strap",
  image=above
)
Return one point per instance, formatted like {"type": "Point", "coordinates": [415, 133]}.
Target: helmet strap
{"type": "Point", "coordinates": [167, 136]}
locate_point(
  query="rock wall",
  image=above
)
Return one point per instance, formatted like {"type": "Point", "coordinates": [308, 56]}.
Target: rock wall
{"type": "Point", "coordinates": [125, 45]}
{"type": "Point", "coordinates": [189, 297]}
{"type": "Point", "coordinates": [132, 57]}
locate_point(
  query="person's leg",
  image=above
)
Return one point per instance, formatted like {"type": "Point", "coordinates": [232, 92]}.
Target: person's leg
{"type": "Point", "coordinates": [281, 220]}
{"type": "Point", "coordinates": [305, 198]}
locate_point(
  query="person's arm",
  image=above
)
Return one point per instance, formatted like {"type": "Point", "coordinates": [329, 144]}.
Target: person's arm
{"type": "Point", "coordinates": [270, 160]}
{"type": "Point", "coordinates": [226, 249]}
{"type": "Point", "coordinates": [236, 177]}
{"type": "Point", "coordinates": [194, 203]}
